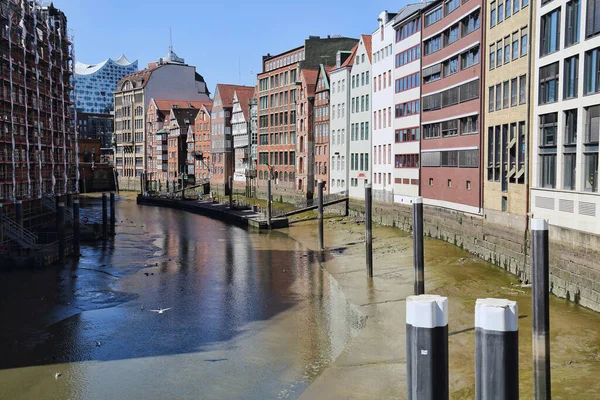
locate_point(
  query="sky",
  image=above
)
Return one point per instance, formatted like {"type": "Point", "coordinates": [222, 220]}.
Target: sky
{"type": "Point", "coordinates": [225, 40]}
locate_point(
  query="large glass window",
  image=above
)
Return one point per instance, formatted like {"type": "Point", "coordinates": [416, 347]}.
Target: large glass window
{"type": "Point", "coordinates": [450, 5]}
{"type": "Point", "coordinates": [547, 149]}
{"type": "Point", "coordinates": [591, 172]}
{"type": "Point", "coordinates": [498, 97]}
{"type": "Point", "coordinates": [592, 71]}
{"type": "Point", "coordinates": [592, 26]}
{"type": "Point", "coordinates": [522, 89]}
{"type": "Point", "coordinates": [550, 32]}
{"type": "Point", "coordinates": [570, 127]}
{"type": "Point", "coordinates": [572, 23]}
{"type": "Point", "coordinates": [592, 129]}
{"type": "Point", "coordinates": [571, 77]}
{"type": "Point", "coordinates": [493, 14]}
{"type": "Point", "coordinates": [548, 89]}
{"type": "Point", "coordinates": [433, 16]}
{"type": "Point", "coordinates": [569, 168]}
{"type": "Point", "coordinates": [513, 92]}
{"type": "Point", "coordinates": [506, 93]}
{"type": "Point", "coordinates": [492, 56]}
{"type": "Point", "coordinates": [491, 99]}
{"type": "Point", "coordinates": [515, 45]}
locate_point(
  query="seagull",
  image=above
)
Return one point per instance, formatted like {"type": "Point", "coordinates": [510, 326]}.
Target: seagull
{"type": "Point", "coordinates": [57, 375]}
{"type": "Point", "coordinates": [162, 310]}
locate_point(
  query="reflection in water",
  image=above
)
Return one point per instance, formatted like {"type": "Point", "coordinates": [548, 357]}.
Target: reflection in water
{"type": "Point", "coordinates": [253, 315]}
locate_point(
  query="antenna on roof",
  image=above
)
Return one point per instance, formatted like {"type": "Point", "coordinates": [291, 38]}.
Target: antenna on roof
{"type": "Point", "coordinates": [170, 39]}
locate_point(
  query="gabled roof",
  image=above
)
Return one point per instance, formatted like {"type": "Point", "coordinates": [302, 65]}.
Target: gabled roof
{"type": "Point", "coordinates": [324, 72]}
{"type": "Point", "coordinates": [350, 60]}
{"type": "Point", "coordinates": [226, 91]}
{"type": "Point", "coordinates": [244, 95]}
{"type": "Point", "coordinates": [184, 114]}
{"type": "Point", "coordinates": [366, 39]}
{"type": "Point", "coordinates": [310, 80]}
{"type": "Point", "coordinates": [408, 11]}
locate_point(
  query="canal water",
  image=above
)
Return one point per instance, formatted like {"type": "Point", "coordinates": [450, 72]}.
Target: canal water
{"type": "Point", "coordinates": [251, 315]}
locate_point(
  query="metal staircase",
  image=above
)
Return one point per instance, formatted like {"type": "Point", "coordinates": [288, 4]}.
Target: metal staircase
{"type": "Point", "coordinates": [20, 235]}
{"type": "Point", "coordinates": [49, 202]}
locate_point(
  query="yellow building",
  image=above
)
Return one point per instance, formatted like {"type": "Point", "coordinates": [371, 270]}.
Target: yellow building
{"type": "Point", "coordinates": [507, 111]}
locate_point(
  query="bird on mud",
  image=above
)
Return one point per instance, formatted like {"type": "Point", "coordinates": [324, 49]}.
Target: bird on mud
{"type": "Point", "coordinates": [161, 311]}
{"type": "Point", "coordinates": [57, 375]}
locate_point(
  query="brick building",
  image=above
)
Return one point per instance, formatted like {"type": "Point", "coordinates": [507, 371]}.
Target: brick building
{"type": "Point", "coordinates": [181, 121]}
{"type": "Point", "coordinates": [157, 132]}
{"type": "Point", "coordinates": [305, 145]}
{"type": "Point", "coordinates": [276, 109]}
{"type": "Point", "coordinates": [202, 144]}
{"type": "Point", "coordinates": [221, 133]}
{"type": "Point", "coordinates": [451, 105]}
{"type": "Point", "coordinates": [321, 128]}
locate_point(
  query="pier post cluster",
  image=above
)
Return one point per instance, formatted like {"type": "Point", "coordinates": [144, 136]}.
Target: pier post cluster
{"type": "Point", "coordinates": [496, 336]}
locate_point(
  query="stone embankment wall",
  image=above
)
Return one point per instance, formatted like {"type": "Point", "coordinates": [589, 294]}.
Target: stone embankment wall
{"type": "Point", "coordinates": [574, 255]}
{"type": "Point", "coordinates": [129, 184]}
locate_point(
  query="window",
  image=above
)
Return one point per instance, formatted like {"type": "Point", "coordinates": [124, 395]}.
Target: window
{"type": "Point", "coordinates": [513, 92]}
{"type": "Point", "coordinates": [498, 53]}
{"type": "Point", "coordinates": [500, 12]}
{"type": "Point", "coordinates": [569, 168]}
{"type": "Point", "coordinates": [470, 58]}
{"type": "Point", "coordinates": [405, 109]}
{"type": "Point", "coordinates": [590, 183]}
{"type": "Point", "coordinates": [431, 131]}
{"type": "Point", "coordinates": [451, 66]}
{"type": "Point", "coordinates": [515, 6]}
{"type": "Point", "coordinates": [506, 49]}
{"type": "Point", "coordinates": [498, 97]}
{"type": "Point", "coordinates": [450, 5]}
{"type": "Point", "coordinates": [430, 181]}
{"type": "Point", "coordinates": [433, 17]}
{"type": "Point", "coordinates": [432, 45]}
{"type": "Point", "coordinates": [572, 23]}
{"type": "Point", "coordinates": [491, 99]}
{"type": "Point", "coordinates": [522, 89]}
{"type": "Point", "coordinates": [450, 128]}
{"type": "Point", "coordinates": [548, 129]}
{"type": "Point", "coordinates": [470, 23]}
{"type": "Point", "coordinates": [592, 71]}
{"type": "Point", "coordinates": [548, 84]}
{"type": "Point", "coordinates": [506, 92]}
{"type": "Point", "coordinates": [570, 127]}
{"type": "Point", "coordinates": [507, 9]}
{"type": "Point", "coordinates": [523, 41]}
{"type": "Point", "coordinates": [493, 14]}
{"type": "Point", "coordinates": [571, 77]}
{"type": "Point", "coordinates": [408, 29]}
{"type": "Point", "coordinates": [492, 56]}
{"type": "Point", "coordinates": [451, 35]}
{"type": "Point", "coordinates": [408, 56]}
{"type": "Point", "coordinates": [432, 73]}
{"type": "Point", "coordinates": [449, 183]}
{"type": "Point", "coordinates": [592, 130]}
{"type": "Point", "coordinates": [515, 45]}
{"type": "Point", "coordinates": [550, 32]}
{"type": "Point", "coordinates": [593, 18]}
{"type": "Point", "coordinates": [469, 125]}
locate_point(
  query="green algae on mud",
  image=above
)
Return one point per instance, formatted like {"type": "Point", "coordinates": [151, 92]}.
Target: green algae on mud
{"type": "Point", "coordinates": [463, 278]}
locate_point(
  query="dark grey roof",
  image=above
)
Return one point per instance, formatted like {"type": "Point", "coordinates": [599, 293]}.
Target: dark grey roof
{"type": "Point", "coordinates": [408, 11]}
{"type": "Point", "coordinates": [183, 114]}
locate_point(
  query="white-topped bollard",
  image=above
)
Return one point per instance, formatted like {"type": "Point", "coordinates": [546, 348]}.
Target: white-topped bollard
{"type": "Point", "coordinates": [427, 347]}
{"type": "Point", "coordinates": [496, 349]}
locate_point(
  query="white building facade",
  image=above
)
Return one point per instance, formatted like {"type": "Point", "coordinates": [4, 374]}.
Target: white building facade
{"type": "Point", "coordinates": [360, 119]}
{"type": "Point", "coordinates": [241, 140]}
{"type": "Point", "coordinates": [339, 121]}
{"type": "Point", "coordinates": [407, 87]}
{"type": "Point", "coordinates": [566, 117]}
{"type": "Point", "coordinates": [383, 104]}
